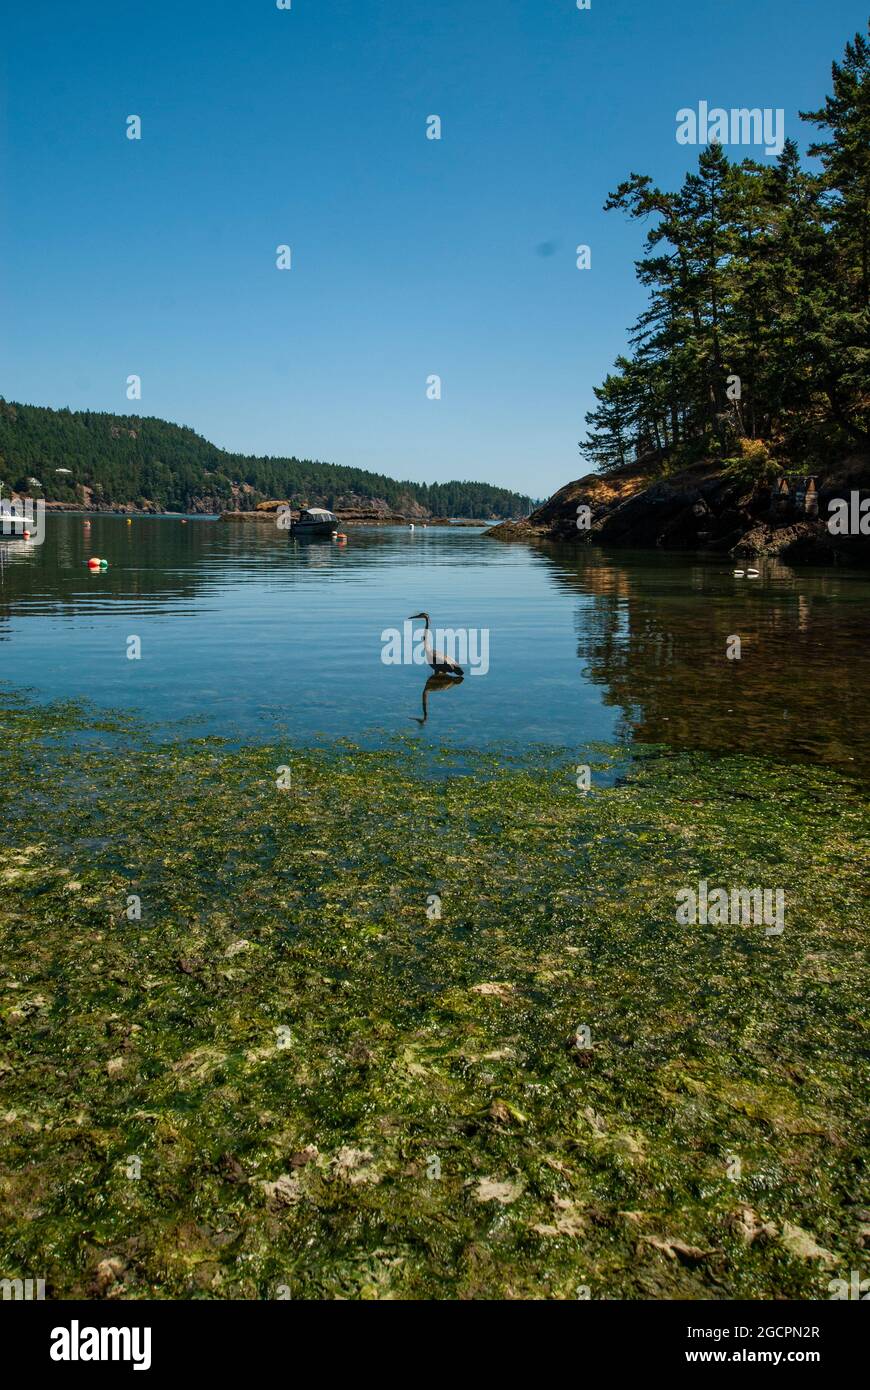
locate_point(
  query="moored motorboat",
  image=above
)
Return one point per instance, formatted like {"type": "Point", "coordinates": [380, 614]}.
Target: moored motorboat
{"type": "Point", "coordinates": [315, 521]}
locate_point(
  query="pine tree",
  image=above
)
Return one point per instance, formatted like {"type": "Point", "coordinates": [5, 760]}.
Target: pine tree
{"type": "Point", "coordinates": [755, 275]}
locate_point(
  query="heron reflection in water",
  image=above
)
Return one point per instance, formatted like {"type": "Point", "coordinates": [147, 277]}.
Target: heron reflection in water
{"type": "Point", "coordinates": [439, 681]}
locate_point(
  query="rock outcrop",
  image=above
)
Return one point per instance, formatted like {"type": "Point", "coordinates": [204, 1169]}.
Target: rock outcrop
{"type": "Point", "coordinates": [703, 508]}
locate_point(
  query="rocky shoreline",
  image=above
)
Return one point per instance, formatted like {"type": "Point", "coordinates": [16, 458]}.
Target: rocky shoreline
{"type": "Point", "coordinates": [702, 508]}
{"type": "Point", "coordinates": [267, 514]}
{"type": "Point", "coordinates": [264, 512]}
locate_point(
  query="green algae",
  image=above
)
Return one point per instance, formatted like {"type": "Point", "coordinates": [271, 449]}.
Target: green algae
{"type": "Point", "coordinates": [339, 1045]}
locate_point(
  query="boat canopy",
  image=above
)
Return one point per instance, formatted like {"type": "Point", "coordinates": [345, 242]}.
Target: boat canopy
{"type": "Point", "coordinates": [319, 514]}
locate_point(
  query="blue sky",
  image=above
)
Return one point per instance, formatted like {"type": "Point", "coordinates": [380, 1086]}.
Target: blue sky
{"type": "Point", "coordinates": [411, 257]}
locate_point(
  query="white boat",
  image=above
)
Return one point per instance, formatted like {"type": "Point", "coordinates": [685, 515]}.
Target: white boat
{"type": "Point", "coordinates": [315, 521]}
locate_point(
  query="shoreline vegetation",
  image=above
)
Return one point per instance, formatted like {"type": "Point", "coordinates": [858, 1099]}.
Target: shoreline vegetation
{"type": "Point", "coordinates": [264, 512]}
{"type": "Point", "coordinates": [213, 985]}
{"type": "Point", "coordinates": [753, 350]}
{"type": "Point", "coordinates": [95, 461]}
{"type": "Point", "coordinates": [749, 370]}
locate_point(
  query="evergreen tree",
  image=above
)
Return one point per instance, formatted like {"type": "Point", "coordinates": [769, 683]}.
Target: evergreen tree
{"type": "Point", "coordinates": [757, 324]}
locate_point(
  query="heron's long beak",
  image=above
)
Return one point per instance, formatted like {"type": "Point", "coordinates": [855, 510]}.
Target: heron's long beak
{"type": "Point", "coordinates": [416, 615]}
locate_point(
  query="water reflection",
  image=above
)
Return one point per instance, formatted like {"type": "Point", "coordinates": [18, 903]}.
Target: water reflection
{"type": "Point", "coordinates": [654, 637]}
{"type": "Point", "coordinates": [437, 681]}
{"type": "Point", "coordinates": [257, 637]}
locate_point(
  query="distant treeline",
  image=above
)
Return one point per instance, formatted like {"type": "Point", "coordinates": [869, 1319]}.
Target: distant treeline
{"type": "Point", "coordinates": [139, 461]}
{"type": "Point", "coordinates": [755, 342]}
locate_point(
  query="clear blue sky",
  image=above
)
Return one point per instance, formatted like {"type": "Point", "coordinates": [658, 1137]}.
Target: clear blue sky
{"type": "Point", "coordinates": [410, 256]}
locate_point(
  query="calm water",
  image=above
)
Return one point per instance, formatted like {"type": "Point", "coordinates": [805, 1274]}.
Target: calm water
{"type": "Point", "coordinates": [250, 635]}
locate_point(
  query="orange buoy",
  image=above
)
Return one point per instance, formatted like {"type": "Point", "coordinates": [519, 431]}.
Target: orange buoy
{"type": "Point", "coordinates": [93, 563]}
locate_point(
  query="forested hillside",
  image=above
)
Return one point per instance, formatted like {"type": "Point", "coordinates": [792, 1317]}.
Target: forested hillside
{"type": "Point", "coordinates": [754, 347]}
{"type": "Point", "coordinates": [141, 461]}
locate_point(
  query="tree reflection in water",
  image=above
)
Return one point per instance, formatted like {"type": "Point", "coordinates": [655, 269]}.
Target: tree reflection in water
{"type": "Point", "coordinates": [653, 632]}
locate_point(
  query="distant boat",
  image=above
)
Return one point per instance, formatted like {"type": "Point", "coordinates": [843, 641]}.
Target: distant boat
{"type": "Point", "coordinates": [315, 521]}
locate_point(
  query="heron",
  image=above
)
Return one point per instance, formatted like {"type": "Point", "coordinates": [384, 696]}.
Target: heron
{"type": "Point", "coordinates": [441, 664]}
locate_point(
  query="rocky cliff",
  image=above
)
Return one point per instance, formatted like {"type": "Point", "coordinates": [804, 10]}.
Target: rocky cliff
{"type": "Point", "coordinates": [703, 508]}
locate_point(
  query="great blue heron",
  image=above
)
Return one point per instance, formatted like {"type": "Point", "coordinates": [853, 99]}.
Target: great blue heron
{"type": "Point", "coordinates": [441, 664]}
{"type": "Point", "coordinates": [436, 682]}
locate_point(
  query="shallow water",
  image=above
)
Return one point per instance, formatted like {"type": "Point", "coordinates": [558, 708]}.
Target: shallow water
{"type": "Point", "coordinates": [252, 636]}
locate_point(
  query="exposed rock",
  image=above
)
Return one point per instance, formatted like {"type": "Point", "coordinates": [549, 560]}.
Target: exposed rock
{"type": "Point", "coordinates": [499, 989]}
{"type": "Point", "coordinates": [350, 510]}
{"type": "Point", "coordinates": [804, 1245]}
{"type": "Point", "coordinates": [303, 1157]}
{"type": "Point", "coordinates": [568, 1220]}
{"type": "Point", "coordinates": [503, 1192]}
{"type": "Point", "coordinates": [284, 1191]}
{"type": "Point", "coordinates": [698, 509]}
{"type": "Point", "coordinates": [749, 1227]}
{"type": "Point", "coordinates": [676, 1249]}
{"type": "Point", "coordinates": [354, 1166]}
{"type": "Point", "coordinates": [107, 1277]}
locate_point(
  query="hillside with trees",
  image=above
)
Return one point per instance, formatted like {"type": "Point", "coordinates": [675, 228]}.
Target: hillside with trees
{"type": "Point", "coordinates": [88, 457]}
{"type": "Point", "coordinates": [753, 350]}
